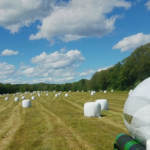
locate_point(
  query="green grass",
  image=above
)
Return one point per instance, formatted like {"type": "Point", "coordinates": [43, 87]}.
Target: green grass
{"type": "Point", "coordinates": [59, 123]}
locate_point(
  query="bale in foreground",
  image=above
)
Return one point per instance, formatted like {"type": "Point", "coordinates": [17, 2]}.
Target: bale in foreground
{"type": "Point", "coordinates": [103, 103]}
{"type": "Point", "coordinates": [26, 103]}
{"type": "Point", "coordinates": [92, 109]}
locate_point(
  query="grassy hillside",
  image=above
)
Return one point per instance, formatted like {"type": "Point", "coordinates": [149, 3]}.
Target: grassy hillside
{"type": "Point", "coordinates": [59, 123]}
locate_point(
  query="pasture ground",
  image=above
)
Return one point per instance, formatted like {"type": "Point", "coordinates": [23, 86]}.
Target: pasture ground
{"type": "Point", "coordinates": [59, 123]}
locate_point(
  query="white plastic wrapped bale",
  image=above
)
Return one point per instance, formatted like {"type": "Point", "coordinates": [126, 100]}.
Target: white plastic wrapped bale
{"type": "Point", "coordinates": [112, 90]}
{"type": "Point", "coordinates": [130, 92]}
{"type": "Point", "coordinates": [6, 98]}
{"type": "Point", "coordinates": [136, 112]}
{"type": "Point", "coordinates": [89, 90]}
{"type": "Point", "coordinates": [47, 94]}
{"type": "Point", "coordinates": [23, 97]}
{"type": "Point", "coordinates": [26, 103]}
{"type": "Point", "coordinates": [39, 94]}
{"type": "Point", "coordinates": [82, 91]}
{"type": "Point", "coordinates": [69, 90]}
{"type": "Point", "coordinates": [16, 98]}
{"type": "Point", "coordinates": [92, 109]}
{"type": "Point", "coordinates": [33, 97]}
{"type": "Point", "coordinates": [56, 95]}
{"type": "Point", "coordinates": [101, 91]}
{"type": "Point", "coordinates": [103, 103]}
{"type": "Point", "coordinates": [92, 93]}
{"type": "Point", "coordinates": [14, 95]}
{"type": "Point", "coordinates": [66, 95]}
{"type": "Point", "coordinates": [105, 91]}
{"type": "Point", "coordinates": [77, 90]}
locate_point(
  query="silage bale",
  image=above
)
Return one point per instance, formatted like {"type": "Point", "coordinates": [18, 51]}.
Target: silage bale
{"type": "Point", "coordinates": [26, 103]}
{"type": "Point", "coordinates": [7, 98]}
{"type": "Point", "coordinates": [92, 93]}
{"type": "Point", "coordinates": [103, 103]}
{"type": "Point", "coordinates": [33, 97]}
{"type": "Point", "coordinates": [16, 98]}
{"type": "Point", "coordinates": [92, 109]}
{"type": "Point", "coordinates": [39, 94]}
{"type": "Point", "coordinates": [56, 95]}
{"type": "Point", "coordinates": [66, 95]}
{"type": "Point", "coordinates": [112, 90]}
{"type": "Point", "coordinates": [23, 97]}
{"type": "Point", "coordinates": [105, 91]}
{"type": "Point", "coordinates": [47, 94]}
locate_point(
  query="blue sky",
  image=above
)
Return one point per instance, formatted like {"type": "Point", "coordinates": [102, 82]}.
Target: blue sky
{"type": "Point", "coordinates": [64, 41]}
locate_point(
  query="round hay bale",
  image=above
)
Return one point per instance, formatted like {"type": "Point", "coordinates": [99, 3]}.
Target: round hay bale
{"type": "Point", "coordinates": [92, 93]}
{"type": "Point", "coordinates": [47, 94]}
{"type": "Point", "coordinates": [23, 97]}
{"type": "Point", "coordinates": [26, 103]}
{"type": "Point", "coordinates": [33, 97]}
{"type": "Point", "coordinates": [92, 109]}
{"type": "Point", "coordinates": [56, 95]}
{"type": "Point", "coordinates": [136, 112]}
{"type": "Point", "coordinates": [77, 90]}
{"type": "Point", "coordinates": [112, 90]}
{"type": "Point", "coordinates": [105, 91]}
{"type": "Point", "coordinates": [66, 95]}
{"type": "Point", "coordinates": [16, 98]}
{"type": "Point", "coordinates": [7, 98]}
{"type": "Point", "coordinates": [39, 94]}
{"type": "Point", "coordinates": [103, 103]}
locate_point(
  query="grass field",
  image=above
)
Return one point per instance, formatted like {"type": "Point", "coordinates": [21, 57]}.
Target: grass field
{"type": "Point", "coordinates": [59, 123]}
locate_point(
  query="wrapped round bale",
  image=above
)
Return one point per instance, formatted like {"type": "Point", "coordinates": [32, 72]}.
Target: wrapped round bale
{"type": "Point", "coordinates": [7, 98]}
{"type": "Point", "coordinates": [39, 94]}
{"type": "Point", "coordinates": [23, 97]}
{"type": "Point", "coordinates": [33, 97]}
{"type": "Point", "coordinates": [26, 103]}
{"type": "Point", "coordinates": [92, 109]}
{"type": "Point", "coordinates": [92, 93]}
{"type": "Point", "coordinates": [47, 94]}
{"type": "Point", "coordinates": [77, 90]}
{"type": "Point", "coordinates": [136, 112]}
{"type": "Point", "coordinates": [56, 95]}
{"type": "Point", "coordinates": [16, 99]}
{"type": "Point", "coordinates": [112, 90]}
{"type": "Point", "coordinates": [105, 91]}
{"type": "Point", "coordinates": [66, 95]}
{"type": "Point", "coordinates": [103, 103]}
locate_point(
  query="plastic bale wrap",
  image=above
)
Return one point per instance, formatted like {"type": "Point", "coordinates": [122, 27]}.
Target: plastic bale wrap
{"type": "Point", "coordinates": [56, 95]}
{"type": "Point", "coordinates": [92, 109]}
{"type": "Point", "coordinates": [136, 112]}
{"type": "Point", "coordinates": [105, 91]}
{"type": "Point", "coordinates": [103, 103]}
{"type": "Point", "coordinates": [112, 90]}
{"type": "Point", "coordinates": [7, 98]}
{"type": "Point", "coordinates": [26, 103]}
{"type": "Point", "coordinates": [33, 97]}
{"type": "Point", "coordinates": [16, 99]}
{"type": "Point", "coordinates": [66, 95]}
{"type": "Point", "coordinates": [47, 94]}
{"type": "Point", "coordinates": [23, 97]}
{"type": "Point", "coordinates": [92, 93]}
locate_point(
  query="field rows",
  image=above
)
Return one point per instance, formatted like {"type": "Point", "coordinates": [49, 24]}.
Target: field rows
{"type": "Point", "coordinates": [59, 123]}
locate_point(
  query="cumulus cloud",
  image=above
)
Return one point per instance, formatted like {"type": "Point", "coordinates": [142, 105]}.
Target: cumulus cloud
{"type": "Point", "coordinates": [54, 80]}
{"type": "Point", "coordinates": [79, 19]}
{"type": "Point", "coordinates": [148, 5]}
{"type": "Point", "coordinates": [105, 68]}
{"type": "Point", "coordinates": [6, 70]}
{"type": "Point", "coordinates": [8, 52]}
{"type": "Point", "coordinates": [55, 64]}
{"type": "Point", "coordinates": [18, 13]}
{"type": "Point", "coordinates": [58, 60]}
{"type": "Point", "coordinates": [132, 42]}
{"type": "Point", "coordinates": [86, 73]}
{"type": "Point", "coordinates": [62, 50]}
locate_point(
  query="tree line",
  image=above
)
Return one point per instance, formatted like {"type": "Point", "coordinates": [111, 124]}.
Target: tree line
{"type": "Point", "coordinates": [124, 75]}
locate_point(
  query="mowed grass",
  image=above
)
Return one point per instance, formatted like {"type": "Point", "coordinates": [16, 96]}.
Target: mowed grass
{"type": "Point", "coordinates": [59, 123]}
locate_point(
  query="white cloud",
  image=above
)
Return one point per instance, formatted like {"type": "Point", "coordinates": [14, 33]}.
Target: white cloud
{"type": "Point", "coordinates": [132, 42]}
{"type": "Point", "coordinates": [63, 50]}
{"type": "Point", "coordinates": [6, 70]}
{"type": "Point", "coordinates": [58, 60]}
{"type": "Point", "coordinates": [105, 68]}
{"type": "Point", "coordinates": [8, 52]}
{"type": "Point", "coordinates": [87, 73]}
{"type": "Point", "coordinates": [79, 19]}
{"type": "Point", "coordinates": [13, 81]}
{"type": "Point", "coordinates": [54, 80]}
{"type": "Point", "coordinates": [148, 5]}
{"type": "Point", "coordinates": [54, 65]}
{"type": "Point", "coordinates": [15, 14]}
